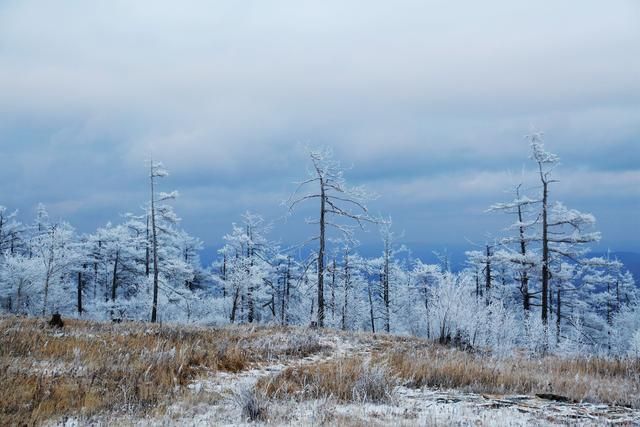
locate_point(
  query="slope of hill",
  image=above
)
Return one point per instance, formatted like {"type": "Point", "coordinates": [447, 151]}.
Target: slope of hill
{"type": "Point", "coordinates": [91, 373]}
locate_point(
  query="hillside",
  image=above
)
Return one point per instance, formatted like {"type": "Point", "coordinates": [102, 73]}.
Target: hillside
{"type": "Point", "coordinates": [142, 374]}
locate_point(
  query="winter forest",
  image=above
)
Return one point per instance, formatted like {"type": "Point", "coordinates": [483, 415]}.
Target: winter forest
{"type": "Point", "coordinates": [533, 286]}
{"type": "Point", "coordinates": [286, 213]}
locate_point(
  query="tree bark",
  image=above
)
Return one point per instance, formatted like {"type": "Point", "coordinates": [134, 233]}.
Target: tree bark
{"type": "Point", "coordinates": [545, 250]}
{"type": "Point", "coordinates": [346, 291]}
{"type": "Point", "coordinates": [321, 256]}
{"type": "Point", "coordinates": [487, 283]}
{"type": "Point", "coordinates": [234, 307]}
{"type": "Point", "coordinates": [524, 277]}
{"type": "Point", "coordinates": [114, 282]}
{"type": "Point", "coordinates": [558, 312]}
{"type": "Point", "coordinates": [79, 293]}
{"type": "Point", "coordinates": [147, 268]}
{"type": "Point", "coordinates": [373, 323]}
{"type": "Point", "coordinates": [385, 288]}
{"type": "Point", "coordinates": [154, 234]}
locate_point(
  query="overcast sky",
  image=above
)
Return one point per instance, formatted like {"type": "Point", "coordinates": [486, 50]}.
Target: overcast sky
{"type": "Point", "coordinates": [426, 101]}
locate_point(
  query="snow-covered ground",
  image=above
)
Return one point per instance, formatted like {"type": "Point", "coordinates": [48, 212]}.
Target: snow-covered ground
{"type": "Point", "coordinates": [216, 400]}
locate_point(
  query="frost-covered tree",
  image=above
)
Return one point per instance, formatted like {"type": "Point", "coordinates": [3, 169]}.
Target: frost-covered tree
{"type": "Point", "coordinates": [337, 201]}
{"type": "Point", "coordinates": [120, 270]}
{"type": "Point", "coordinates": [53, 245]}
{"type": "Point", "coordinates": [517, 249]}
{"type": "Point", "coordinates": [159, 213]}
{"type": "Point", "coordinates": [385, 276]}
{"type": "Point", "coordinates": [19, 281]}
{"type": "Point", "coordinates": [10, 230]}
{"type": "Point", "coordinates": [546, 162]}
{"type": "Point", "coordinates": [246, 274]}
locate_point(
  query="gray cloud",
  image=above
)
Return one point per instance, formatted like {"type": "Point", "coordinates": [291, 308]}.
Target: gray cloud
{"type": "Point", "coordinates": [428, 100]}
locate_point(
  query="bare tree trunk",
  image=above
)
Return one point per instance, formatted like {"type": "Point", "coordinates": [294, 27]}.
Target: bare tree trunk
{"type": "Point", "coordinates": [147, 268]}
{"type": "Point", "coordinates": [224, 276]}
{"type": "Point", "coordinates": [524, 277]}
{"type": "Point", "coordinates": [550, 301]}
{"type": "Point", "coordinates": [487, 270]}
{"type": "Point", "coordinates": [49, 271]}
{"type": "Point", "coordinates": [385, 288]}
{"type": "Point", "coordinates": [114, 282]}
{"type": "Point", "coordinates": [79, 293]}
{"type": "Point", "coordinates": [250, 305]}
{"type": "Point", "coordinates": [558, 312]}
{"type": "Point", "coordinates": [154, 234]}
{"type": "Point", "coordinates": [609, 305]}
{"type": "Point", "coordinates": [545, 251]}
{"type": "Point", "coordinates": [285, 293]}
{"type": "Point", "coordinates": [312, 310]}
{"type": "Point", "coordinates": [321, 257]}
{"type": "Point", "coordinates": [346, 291]}
{"type": "Point", "coordinates": [46, 294]}
{"type": "Point", "coordinates": [187, 283]}
{"type": "Point", "coordinates": [333, 293]}
{"type": "Point", "coordinates": [373, 323]}
{"type": "Point", "coordinates": [426, 308]}
{"type": "Point", "coordinates": [95, 274]}
{"type": "Point", "coordinates": [250, 300]}
{"type": "Point", "coordinates": [234, 307]}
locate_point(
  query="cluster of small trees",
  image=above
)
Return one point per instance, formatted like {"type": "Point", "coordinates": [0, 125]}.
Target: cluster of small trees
{"type": "Point", "coordinates": [114, 273]}
{"type": "Point", "coordinates": [534, 288]}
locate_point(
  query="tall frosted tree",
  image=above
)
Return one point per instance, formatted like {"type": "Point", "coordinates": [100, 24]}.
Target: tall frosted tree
{"type": "Point", "coordinates": [545, 162]}
{"type": "Point", "coordinates": [336, 202]}
{"type": "Point", "coordinates": [158, 212]}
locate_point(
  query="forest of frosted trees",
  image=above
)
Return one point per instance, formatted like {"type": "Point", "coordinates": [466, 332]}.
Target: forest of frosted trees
{"type": "Point", "coordinates": [533, 287]}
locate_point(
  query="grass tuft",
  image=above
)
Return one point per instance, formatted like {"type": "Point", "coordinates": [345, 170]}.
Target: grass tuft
{"type": "Point", "coordinates": [346, 380]}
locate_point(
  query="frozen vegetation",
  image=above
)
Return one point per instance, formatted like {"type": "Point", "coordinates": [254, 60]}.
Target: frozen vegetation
{"type": "Point", "coordinates": [532, 331]}
{"type": "Point", "coordinates": [139, 374]}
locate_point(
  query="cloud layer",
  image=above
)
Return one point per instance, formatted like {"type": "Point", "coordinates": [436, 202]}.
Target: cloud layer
{"type": "Point", "coordinates": [428, 100]}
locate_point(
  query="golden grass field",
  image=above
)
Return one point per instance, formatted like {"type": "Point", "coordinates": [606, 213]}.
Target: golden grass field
{"type": "Point", "coordinates": [94, 368]}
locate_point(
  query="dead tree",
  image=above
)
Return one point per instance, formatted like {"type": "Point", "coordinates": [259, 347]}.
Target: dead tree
{"type": "Point", "coordinates": [336, 201]}
{"type": "Point", "coordinates": [157, 213]}
{"type": "Point", "coordinates": [546, 162]}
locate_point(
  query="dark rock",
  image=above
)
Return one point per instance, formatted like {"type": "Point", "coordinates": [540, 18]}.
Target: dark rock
{"type": "Point", "coordinates": [556, 397]}
{"type": "Point", "coordinates": [56, 321]}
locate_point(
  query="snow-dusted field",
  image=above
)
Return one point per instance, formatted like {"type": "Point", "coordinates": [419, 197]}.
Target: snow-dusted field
{"type": "Point", "coordinates": [137, 374]}
{"type": "Point", "coordinates": [218, 399]}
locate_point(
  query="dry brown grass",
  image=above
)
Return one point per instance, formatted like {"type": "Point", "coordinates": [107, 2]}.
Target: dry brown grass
{"type": "Point", "coordinates": [597, 380]}
{"type": "Point", "coordinates": [90, 367]}
{"type": "Point", "coordinates": [417, 363]}
{"type": "Point", "coordinates": [345, 379]}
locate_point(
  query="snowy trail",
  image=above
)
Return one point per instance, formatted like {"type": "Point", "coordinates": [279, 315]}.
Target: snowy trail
{"type": "Point", "coordinates": [226, 383]}
{"type": "Point", "coordinates": [409, 406]}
